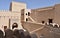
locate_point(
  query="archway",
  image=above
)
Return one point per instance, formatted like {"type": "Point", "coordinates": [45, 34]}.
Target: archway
{"type": "Point", "coordinates": [14, 25]}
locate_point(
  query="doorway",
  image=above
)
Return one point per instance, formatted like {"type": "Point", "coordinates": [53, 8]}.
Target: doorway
{"type": "Point", "coordinates": [50, 20]}
{"type": "Point", "coordinates": [15, 25]}
{"type": "Point", "coordinates": [5, 27]}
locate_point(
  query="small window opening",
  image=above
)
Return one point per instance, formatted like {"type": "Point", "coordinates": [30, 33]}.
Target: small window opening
{"type": "Point", "coordinates": [43, 22]}
{"type": "Point", "coordinates": [28, 13]}
{"type": "Point", "coordinates": [26, 19]}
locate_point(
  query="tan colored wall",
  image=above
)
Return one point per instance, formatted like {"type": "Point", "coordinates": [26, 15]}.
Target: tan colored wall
{"type": "Point", "coordinates": [9, 13]}
{"type": "Point", "coordinates": [4, 21]}
{"type": "Point", "coordinates": [15, 17]}
{"type": "Point", "coordinates": [33, 14]}
{"type": "Point", "coordinates": [23, 14]}
{"type": "Point", "coordinates": [44, 15]}
{"type": "Point", "coordinates": [16, 6]}
{"type": "Point", "coordinates": [26, 11]}
{"type": "Point", "coordinates": [57, 14]}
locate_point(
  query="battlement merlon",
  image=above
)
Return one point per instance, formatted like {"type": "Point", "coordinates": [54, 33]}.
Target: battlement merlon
{"type": "Point", "coordinates": [4, 10]}
{"type": "Point", "coordinates": [17, 6]}
{"type": "Point", "coordinates": [10, 13]}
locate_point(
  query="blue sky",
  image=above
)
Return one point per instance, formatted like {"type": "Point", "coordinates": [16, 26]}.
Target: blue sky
{"type": "Point", "coordinates": [31, 4]}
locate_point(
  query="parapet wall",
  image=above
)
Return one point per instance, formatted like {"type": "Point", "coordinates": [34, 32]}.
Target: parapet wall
{"type": "Point", "coordinates": [4, 10]}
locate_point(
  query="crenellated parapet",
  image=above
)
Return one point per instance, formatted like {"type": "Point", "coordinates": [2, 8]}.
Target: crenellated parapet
{"type": "Point", "coordinates": [4, 10]}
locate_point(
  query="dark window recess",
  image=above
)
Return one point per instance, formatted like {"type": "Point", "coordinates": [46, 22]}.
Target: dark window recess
{"type": "Point", "coordinates": [43, 22]}
{"type": "Point", "coordinates": [28, 13]}
{"type": "Point", "coordinates": [50, 20]}
{"type": "Point", "coordinates": [5, 27]}
{"type": "Point", "coordinates": [15, 25]}
{"type": "Point", "coordinates": [26, 19]}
